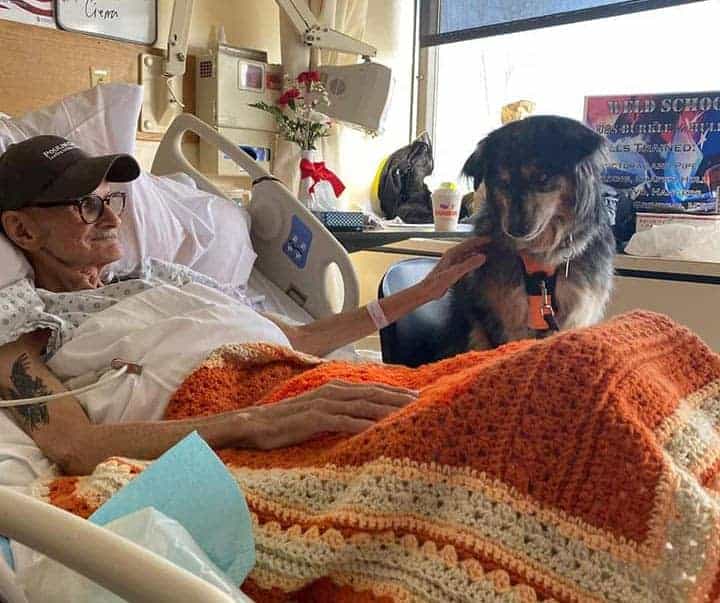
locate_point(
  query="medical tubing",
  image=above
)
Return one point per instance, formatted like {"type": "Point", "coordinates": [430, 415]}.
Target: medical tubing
{"type": "Point", "coordinates": [73, 392]}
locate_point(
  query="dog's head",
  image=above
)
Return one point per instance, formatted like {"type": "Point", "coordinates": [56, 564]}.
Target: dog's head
{"type": "Point", "coordinates": [542, 182]}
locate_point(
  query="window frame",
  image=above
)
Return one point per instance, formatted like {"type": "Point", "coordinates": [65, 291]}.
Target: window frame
{"type": "Point", "coordinates": [426, 64]}
{"type": "Point", "coordinates": [429, 13]}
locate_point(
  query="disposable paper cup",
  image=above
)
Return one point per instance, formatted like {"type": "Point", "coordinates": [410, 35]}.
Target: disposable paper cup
{"type": "Point", "coordinates": [446, 208]}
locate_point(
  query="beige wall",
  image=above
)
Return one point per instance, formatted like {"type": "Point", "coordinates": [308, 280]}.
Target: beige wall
{"type": "Point", "coordinates": [248, 23]}
{"type": "Point", "coordinates": [390, 30]}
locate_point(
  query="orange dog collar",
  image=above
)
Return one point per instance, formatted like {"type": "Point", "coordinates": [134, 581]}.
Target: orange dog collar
{"type": "Point", "coordinates": [540, 288]}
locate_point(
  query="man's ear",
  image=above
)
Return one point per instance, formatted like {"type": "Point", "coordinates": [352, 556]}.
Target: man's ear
{"type": "Point", "coordinates": [476, 165]}
{"type": "Point", "coordinates": [22, 229]}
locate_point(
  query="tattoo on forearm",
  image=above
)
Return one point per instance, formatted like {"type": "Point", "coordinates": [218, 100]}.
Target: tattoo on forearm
{"type": "Point", "coordinates": [27, 386]}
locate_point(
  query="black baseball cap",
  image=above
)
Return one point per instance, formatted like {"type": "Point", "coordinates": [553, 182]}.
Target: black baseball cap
{"type": "Point", "coordinates": [44, 169]}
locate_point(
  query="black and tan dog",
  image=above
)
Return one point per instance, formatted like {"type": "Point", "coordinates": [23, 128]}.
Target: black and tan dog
{"type": "Point", "coordinates": [550, 262]}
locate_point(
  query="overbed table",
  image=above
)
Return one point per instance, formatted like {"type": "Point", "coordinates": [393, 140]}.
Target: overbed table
{"type": "Point", "coordinates": [379, 239]}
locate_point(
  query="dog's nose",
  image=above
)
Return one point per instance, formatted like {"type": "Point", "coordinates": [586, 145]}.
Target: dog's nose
{"type": "Point", "coordinates": [518, 233]}
{"type": "Point", "coordinates": [519, 225]}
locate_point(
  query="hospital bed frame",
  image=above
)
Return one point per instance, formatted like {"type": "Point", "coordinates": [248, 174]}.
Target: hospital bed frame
{"type": "Point", "coordinates": [121, 566]}
{"type": "Point", "coordinates": [294, 249]}
{"type": "Point", "coordinates": [130, 571]}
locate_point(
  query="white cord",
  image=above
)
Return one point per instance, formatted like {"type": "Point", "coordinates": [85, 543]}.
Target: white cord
{"type": "Point", "coordinates": [124, 367]}
{"type": "Point", "coordinates": [172, 92]}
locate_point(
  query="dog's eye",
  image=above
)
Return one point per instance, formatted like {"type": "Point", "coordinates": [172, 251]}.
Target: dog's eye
{"type": "Point", "coordinates": [543, 180]}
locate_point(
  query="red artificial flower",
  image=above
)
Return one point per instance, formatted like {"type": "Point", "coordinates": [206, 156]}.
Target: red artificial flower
{"type": "Point", "coordinates": [288, 95]}
{"type": "Point", "coordinates": [307, 77]}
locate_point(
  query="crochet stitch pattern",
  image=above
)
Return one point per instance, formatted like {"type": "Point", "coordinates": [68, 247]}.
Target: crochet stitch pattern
{"type": "Point", "coordinates": [582, 467]}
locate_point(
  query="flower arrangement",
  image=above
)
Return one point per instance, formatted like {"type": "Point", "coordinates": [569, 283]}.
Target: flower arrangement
{"type": "Point", "coordinates": [296, 112]}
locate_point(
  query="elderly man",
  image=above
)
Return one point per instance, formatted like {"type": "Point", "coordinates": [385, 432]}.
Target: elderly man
{"type": "Point", "coordinates": [59, 208]}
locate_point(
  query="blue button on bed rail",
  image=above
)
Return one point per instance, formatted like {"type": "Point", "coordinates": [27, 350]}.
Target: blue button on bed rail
{"type": "Point", "coordinates": [297, 246]}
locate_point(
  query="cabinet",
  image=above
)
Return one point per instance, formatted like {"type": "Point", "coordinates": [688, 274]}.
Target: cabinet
{"type": "Point", "coordinates": [688, 292]}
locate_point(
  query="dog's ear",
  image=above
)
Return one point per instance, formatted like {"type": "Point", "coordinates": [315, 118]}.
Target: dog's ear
{"type": "Point", "coordinates": [476, 165]}
{"type": "Point", "coordinates": [588, 184]}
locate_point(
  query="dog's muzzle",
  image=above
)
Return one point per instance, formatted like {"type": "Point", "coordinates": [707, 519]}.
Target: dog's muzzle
{"type": "Point", "coordinates": [519, 230]}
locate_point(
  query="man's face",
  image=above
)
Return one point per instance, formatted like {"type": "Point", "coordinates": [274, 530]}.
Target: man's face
{"type": "Point", "coordinates": [68, 238]}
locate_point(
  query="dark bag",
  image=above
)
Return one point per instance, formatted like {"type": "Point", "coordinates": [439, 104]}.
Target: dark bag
{"type": "Point", "coordinates": [401, 188]}
{"type": "Point", "coordinates": [402, 191]}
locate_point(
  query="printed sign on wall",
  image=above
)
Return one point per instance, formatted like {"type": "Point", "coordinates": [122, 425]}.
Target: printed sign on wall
{"type": "Point", "coordinates": [664, 148]}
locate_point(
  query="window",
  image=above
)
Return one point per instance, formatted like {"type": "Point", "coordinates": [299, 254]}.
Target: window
{"type": "Point", "coordinates": [661, 51]}
{"type": "Point", "coordinates": [444, 21]}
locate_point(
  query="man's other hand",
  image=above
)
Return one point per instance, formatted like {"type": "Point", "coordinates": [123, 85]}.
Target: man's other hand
{"type": "Point", "coordinates": [337, 407]}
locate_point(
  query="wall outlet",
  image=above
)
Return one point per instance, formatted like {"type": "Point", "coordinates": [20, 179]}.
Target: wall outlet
{"type": "Point", "coordinates": [99, 76]}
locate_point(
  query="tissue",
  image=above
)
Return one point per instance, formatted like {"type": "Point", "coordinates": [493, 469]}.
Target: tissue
{"type": "Point", "coordinates": [677, 241]}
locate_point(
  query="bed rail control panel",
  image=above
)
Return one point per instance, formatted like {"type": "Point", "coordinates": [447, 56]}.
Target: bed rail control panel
{"type": "Point", "coordinates": [297, 246]}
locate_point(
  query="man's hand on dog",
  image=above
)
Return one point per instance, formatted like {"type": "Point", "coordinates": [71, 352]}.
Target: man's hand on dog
{"type": "Point", "coordinates": [455, 263]}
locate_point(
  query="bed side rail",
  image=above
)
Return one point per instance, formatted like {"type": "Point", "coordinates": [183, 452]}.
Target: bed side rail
{"type": "Point", "coordinates": [294, 249]}
{"type": "Point", "coordinates": [130, 571]}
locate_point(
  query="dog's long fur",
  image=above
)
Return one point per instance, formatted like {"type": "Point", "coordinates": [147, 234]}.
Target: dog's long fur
{"type": "Point", "coordinates": [540, 178]}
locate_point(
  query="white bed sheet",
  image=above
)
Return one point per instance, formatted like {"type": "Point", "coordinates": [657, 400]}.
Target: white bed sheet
{"type": "Point", "coordinates": [169, 330]}
{"type": "Point", "coordinates": [10, 591]}
{"type": "Point", "coordinates": [273, 300]}
{"type": "Point", "coordinates": [268, 297]}
{"type": "Point", "coordinates": [21, 461]}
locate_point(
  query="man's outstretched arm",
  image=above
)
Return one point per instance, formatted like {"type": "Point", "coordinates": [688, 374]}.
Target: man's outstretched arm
{"type": "Point", "coordinates": [64, 433]}
{"type": "Point", "coordinates": [325, 335]}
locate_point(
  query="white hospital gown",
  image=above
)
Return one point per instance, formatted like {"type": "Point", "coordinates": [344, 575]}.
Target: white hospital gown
{"type": "Point", "coordinates": [24, 309]}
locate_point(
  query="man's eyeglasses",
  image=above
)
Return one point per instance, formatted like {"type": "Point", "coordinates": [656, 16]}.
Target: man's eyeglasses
{"type": "Point", "coordinates": [91, 207]}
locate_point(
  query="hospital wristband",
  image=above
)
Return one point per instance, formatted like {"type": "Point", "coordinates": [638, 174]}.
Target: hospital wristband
{"type": "Point", "coordinates": [377, 315]}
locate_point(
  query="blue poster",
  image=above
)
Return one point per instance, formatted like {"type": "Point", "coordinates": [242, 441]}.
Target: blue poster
{"type": "Point", "coordinates": [664, 148]}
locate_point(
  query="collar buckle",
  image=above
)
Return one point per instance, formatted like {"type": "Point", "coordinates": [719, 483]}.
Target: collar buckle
{"type": "Point", "coordinates": [546, 310]}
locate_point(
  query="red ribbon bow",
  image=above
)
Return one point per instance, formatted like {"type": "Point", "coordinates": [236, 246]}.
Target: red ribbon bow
{"type": "Point", "coordinates": [317, 171]}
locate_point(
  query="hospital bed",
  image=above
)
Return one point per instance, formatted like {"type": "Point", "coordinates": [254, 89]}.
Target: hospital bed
{"type": "Point", "coordinates": [299, 259]}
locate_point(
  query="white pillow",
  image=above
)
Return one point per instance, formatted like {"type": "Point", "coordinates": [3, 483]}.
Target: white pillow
{"type": "Point", "coordinates": [101, 120]}
{"type": "Point", "coordinates": [157, 225]}
{"type": "Point", "coordinates": [13, 265]}
{"type": "Point", "coordinates": [229, 255]}
{"type": "Point", "coordinates": [175, 222]}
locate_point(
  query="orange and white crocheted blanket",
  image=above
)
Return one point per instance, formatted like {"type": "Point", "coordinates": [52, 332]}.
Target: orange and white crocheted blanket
{"type": "Point", "coordinates": [583, 467]}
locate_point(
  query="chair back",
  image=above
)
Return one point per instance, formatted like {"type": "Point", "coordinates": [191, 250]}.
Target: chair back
{"type": "Point", "coordinates": [416, 338]}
